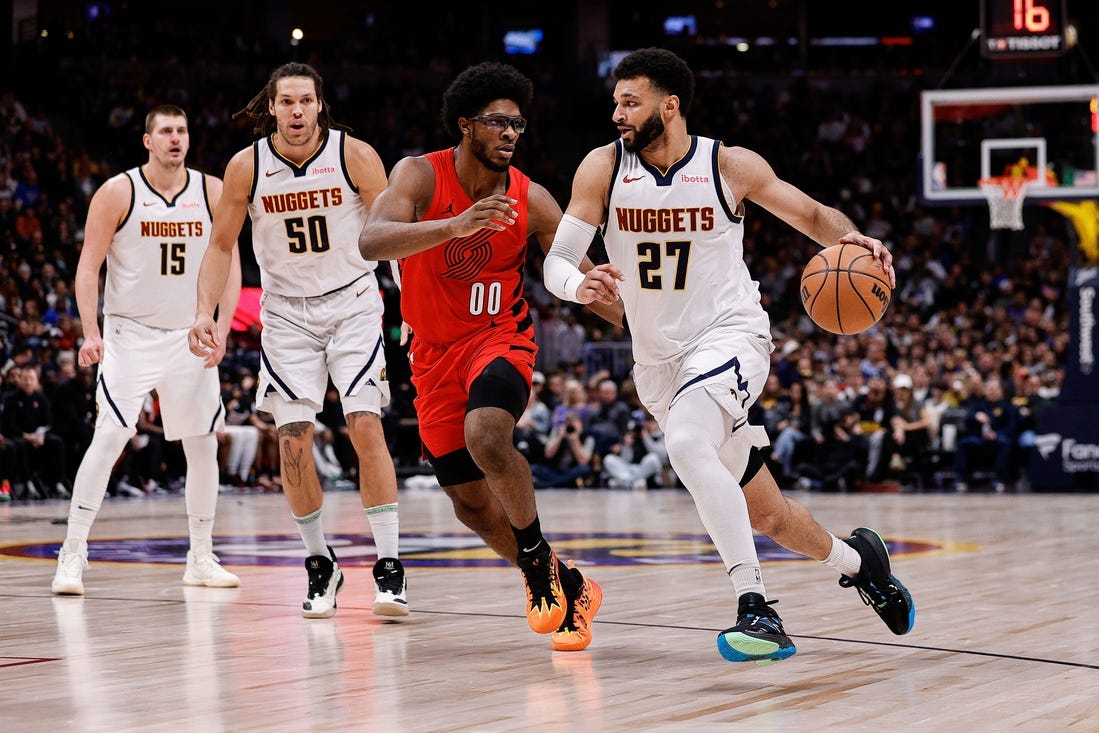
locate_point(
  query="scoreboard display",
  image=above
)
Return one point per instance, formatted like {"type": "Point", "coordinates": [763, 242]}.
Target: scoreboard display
{"type": "Point", "coordinates": [1023, 28]}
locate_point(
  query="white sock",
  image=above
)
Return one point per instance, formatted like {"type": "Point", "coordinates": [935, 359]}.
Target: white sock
{"type": "Point", "coordinates": [385, 525]}
{"type": "Point", "coordinates": [312, 533]}
{"type": "Point", "coordinates": [747, 579]}
{"type": "Point", "coordinates": [202, 533]}
{"type": "Point", "coordinates": [844, 558]}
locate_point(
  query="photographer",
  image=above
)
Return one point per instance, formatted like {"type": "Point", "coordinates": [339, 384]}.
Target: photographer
{"type": "Point", "coordinates": [567, 457]}
{"type": "Point", "coordinates": [640, 455]}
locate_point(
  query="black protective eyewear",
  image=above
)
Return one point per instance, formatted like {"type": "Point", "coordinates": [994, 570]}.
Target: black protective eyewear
{"type": "Point", "coordinates": [499, 123]}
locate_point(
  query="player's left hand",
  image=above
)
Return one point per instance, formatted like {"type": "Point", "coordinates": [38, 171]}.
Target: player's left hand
{"type": "Point", "coordinates": [880, 251]}
{"type": "Point", "coordinates": [600, 285]}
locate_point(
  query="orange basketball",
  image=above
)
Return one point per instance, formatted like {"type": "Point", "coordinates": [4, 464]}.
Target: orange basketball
{"type": "Point", "coordinates": [844, 289]}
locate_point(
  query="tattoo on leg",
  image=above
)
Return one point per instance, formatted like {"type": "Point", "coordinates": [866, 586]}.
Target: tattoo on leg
{"type": "Point", "coordinates": [291, 457]}
{"type": "Point", "coordinates": [291, 463]}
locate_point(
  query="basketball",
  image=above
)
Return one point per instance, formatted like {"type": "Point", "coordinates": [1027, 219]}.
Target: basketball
{"type": "Point", "coordinates": [844, 289]}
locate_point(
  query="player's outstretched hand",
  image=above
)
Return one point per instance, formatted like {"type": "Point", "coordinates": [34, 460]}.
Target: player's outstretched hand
{"type": "Point", "coordinates": [91, 351]}
{"type": "Point", "coordinates": [880, 251]}
{"type": "Point", "coordinates": [600, 284]}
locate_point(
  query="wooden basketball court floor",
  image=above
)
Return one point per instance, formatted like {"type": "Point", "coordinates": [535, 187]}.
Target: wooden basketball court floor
{"type": "Point", "coordinates": [1006, 633]}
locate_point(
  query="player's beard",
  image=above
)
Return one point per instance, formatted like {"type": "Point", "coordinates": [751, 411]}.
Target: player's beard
{"type": "Point", "coordinates": [480, 152]}
{"type": "Point", "coordinates": [645, 133]}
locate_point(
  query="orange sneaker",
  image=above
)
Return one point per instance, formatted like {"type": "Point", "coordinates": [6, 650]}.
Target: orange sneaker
{"type": "Point", "coordinates": [545, 597]}
{"type": "Point", "coordinates": [575, 633]}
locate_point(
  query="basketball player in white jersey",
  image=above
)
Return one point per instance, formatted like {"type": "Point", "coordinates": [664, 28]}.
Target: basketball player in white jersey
{"type": "Point", "coordinates": [152, 226]}
{"type": "Point", "coordinates": [307, 186]}
{"type": "Point", "coordinates": [671, 207]}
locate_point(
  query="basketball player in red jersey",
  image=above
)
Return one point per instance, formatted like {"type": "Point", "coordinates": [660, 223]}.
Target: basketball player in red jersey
{"type": "Point", "coordinates": [459, 220]}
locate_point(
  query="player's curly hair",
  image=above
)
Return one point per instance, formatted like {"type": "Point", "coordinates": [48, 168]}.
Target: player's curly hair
{"type": "Point", "coordinates": [264, 122]}
{"type": "Point", "coordinates": [667, 71]}
{"type": "Point", "coordinates": [473, 89]}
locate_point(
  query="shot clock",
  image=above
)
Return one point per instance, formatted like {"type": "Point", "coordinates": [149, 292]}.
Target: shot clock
{"type": "Point", "coordinates": [1022, 28]}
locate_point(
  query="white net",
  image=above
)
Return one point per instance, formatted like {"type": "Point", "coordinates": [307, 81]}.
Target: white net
{"type": "Point", "coordinates": [1005, 197]}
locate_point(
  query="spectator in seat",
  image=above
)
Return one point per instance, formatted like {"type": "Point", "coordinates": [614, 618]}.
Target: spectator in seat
{"type": "Point", "coordinates": [990, 429]}
{"type": "Point", "coordinates": [28, 419]}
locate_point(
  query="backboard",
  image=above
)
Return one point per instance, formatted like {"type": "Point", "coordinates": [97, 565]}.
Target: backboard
{"type": "Point", "coordinates": [1048, 134]}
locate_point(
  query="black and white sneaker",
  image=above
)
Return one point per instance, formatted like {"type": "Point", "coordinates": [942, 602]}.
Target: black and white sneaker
{"type": "Point", "coordinates": [325, 581]}
{"type": "Point", "coordinates": [875, 582]}
{"type": "Point", "coordinates": [390, 589]}
{"type": "Point", "coordinates": [758, 635]}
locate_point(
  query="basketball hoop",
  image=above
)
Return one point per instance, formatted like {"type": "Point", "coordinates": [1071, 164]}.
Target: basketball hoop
{"type": "Point", "coordinates": [1005, 196]}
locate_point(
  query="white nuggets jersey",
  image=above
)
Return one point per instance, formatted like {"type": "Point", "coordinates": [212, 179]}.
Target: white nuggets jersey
{"type": "Point", "coordinates": [154, 257]}
{"type": "Point", "coordinates": [679, 241]}
{"type": "Point", "coordinates": [306, 220]}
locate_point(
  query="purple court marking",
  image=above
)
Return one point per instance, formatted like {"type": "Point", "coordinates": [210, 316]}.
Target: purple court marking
{"type": "Point", "coordinates": [430, 549]}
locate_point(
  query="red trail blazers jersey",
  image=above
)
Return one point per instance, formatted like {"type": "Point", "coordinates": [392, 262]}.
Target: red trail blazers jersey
{"type": "Point", "coordinates": [468, 284]}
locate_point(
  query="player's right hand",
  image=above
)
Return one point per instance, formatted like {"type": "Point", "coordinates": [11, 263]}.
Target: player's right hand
{"type": "Point", "coordinates": [202, 339]}
{"type": "Point", "coordinates": [600, 284]}
{"type": "Point", "coordinates": [91, 351]}
{"type": "Point", "coordinates": [492, 212]}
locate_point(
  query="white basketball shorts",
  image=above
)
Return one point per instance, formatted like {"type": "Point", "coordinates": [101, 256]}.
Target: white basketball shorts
{"type": "Point", "coordinates": [732, 366]}
{"type": "Point", "coordinates": [306, 340]}
{"type": "Point", "coordinates": [138, 359]}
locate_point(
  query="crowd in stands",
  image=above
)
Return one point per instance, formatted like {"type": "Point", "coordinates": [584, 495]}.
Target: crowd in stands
{"type": "Point", "coordinates": [949, 382]}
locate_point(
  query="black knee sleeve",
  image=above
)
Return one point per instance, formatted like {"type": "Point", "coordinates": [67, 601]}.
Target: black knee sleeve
{"type": "Point", "coordinates": [499, 385]}
{"type": "Point", "coordinates": [456, 467]}
{"type": "Point", "coordinates": [755, 463]}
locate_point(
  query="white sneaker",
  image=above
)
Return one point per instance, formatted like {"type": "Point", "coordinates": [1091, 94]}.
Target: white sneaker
{"type": "Point", "coordinates": [71, 561]}
{"type": "Point", "coordinates": [390, 589]}
{"type": "Point", "coordinates": [203, 568]}
{"type": "Point", "coordinates": [125, 488]}
{"type": "Point", "coordinates": [325, 581]}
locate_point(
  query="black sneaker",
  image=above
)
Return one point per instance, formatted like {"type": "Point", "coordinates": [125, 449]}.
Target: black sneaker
{"type": "Point", "coordinates": [390, 597]}
{"type": "Point", "coordinates": [325, 581]}
{"type": "Point", "coordinates": [758, 635]}
{"type": "Point", "coordinates": [878, 587]}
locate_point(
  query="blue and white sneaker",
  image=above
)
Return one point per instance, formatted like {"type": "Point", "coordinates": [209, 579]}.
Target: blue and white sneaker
{"type": "Point", "coordinates": [875, 582]}
{"type": "Point", "coordinates": [758, 635]}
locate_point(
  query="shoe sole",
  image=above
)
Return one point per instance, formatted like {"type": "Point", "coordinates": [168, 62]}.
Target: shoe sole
{"type": "Point", "coordinates": [67, 590]}
{"type": "Point", "coordinates": [331, 611]}
{"type": "Point", "coordinates": [862, 532]}
{"type": "Point", "coordinates": [570, 641]}
{"type": "Point", "coordinates": [390, 608]}
{"type": "Point", "coordinates": [227, 583]}
{"type": "Point", "coordinates": [739, 647]}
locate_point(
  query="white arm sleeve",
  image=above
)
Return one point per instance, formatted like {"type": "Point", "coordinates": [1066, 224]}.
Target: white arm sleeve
{"type": "Point", "coordinates": [561, 268]}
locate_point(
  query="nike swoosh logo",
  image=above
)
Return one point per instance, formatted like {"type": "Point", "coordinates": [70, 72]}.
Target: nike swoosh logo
{"type": "Point", "coordinates": [361, 292]}
{"type": "Point", "coordinates": [272, 173]}
{"type": "Point", "coordinates": [532, 549]}
{"type": "Point", "coordinates": [149, 203]}
{"type": "Point", "coordinates": [627, 179]}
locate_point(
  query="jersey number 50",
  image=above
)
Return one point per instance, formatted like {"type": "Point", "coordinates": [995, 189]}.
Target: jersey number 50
{"type": "Point", "coordinates": [307, 234]}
